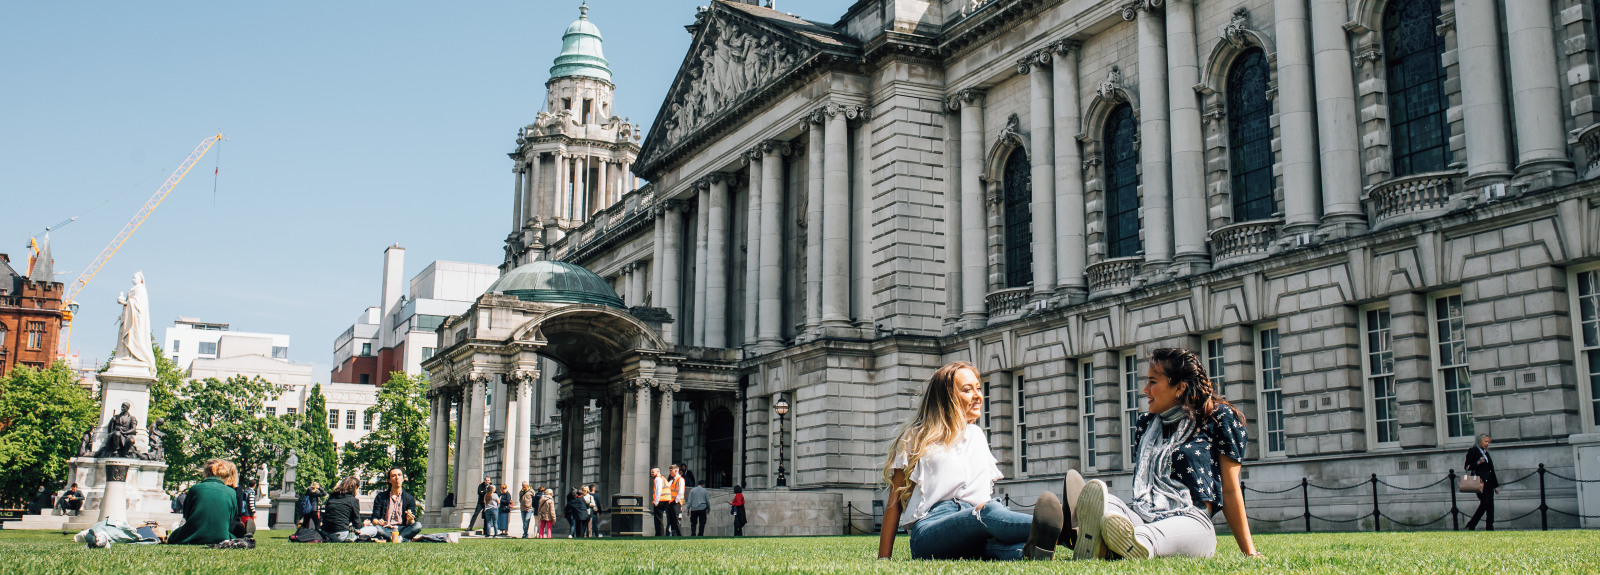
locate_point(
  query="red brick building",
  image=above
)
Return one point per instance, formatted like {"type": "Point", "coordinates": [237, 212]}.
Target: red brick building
{"type": "Point", "coordinates": [30, 317]}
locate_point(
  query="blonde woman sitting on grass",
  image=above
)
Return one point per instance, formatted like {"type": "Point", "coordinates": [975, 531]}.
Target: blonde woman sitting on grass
{"type": "Point", "coordinates": [941, 478]}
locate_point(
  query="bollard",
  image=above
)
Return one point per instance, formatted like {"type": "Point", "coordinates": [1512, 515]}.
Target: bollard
{"type": "Point", "coordinates": [1376, 518]}
{"type": "Point", "coordinates": [849, 516]}
{"type": "Point", "coordinates": [1305, 500]}
{"type": "Point", "coordinates": [1544, 518]}
{"type": "Point", "coordinates": [1455, 512]}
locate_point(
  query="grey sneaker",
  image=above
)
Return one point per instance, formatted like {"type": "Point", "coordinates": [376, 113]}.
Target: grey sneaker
{"type": "Point", "coordinates": [1073, 488]}
{"type": "Point", "coordinates": [1091, 511]}
{"type": "Point", "coordinates": [1046, 529]}
{"type": "Point", "coordinates": [1119, 538]}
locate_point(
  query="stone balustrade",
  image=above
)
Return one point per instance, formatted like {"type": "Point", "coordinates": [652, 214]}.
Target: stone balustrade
{"type": "Point", "coordinates": [1411, 198]}
{"type": "Point", "coordinates": [1113, 274]}
{"type": "Point", "coordinates": [1008, 301]}
{"type": "Point", "coordinates": [1243, 241]}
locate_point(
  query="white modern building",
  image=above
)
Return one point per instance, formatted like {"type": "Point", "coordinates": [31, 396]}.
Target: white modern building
{"type": "Point", "coordinates": [188, 339]}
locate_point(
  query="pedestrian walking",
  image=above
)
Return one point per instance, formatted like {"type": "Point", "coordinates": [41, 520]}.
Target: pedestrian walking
{"type": "Point", "coordinates": [1480, 464]}
{"type": "Point", "coordinates": [736, 508]}
{"type": "Point", "coordinates": [594, 511]}
{"type": "Point", "coordinates": [547, 513]}
{"type": "Point", "coordinates": [577, 513]}
{"type": "Point", "coordinates": [699, 507]}
{"type": "Point", "coordinates": [525, 503]}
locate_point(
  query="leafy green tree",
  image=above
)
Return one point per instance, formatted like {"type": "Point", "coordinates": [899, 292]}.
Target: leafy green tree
{"type": "Point", "coordinates": [223, 419]}
{"type": "Point", "coordinates": [43, 414]}
{"type": "Point", "coordinates": [320, 460]}
{"type": "Point", "coordinates": [399, 437]}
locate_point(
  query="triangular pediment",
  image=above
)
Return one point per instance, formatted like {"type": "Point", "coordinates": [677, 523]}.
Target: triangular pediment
{"type": "Point", "coordinates": [740, 52]}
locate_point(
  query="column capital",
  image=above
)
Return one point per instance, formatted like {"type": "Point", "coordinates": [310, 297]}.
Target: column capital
{"type": "Point", "coordinates": [1038, 58]}
{"type": "Point", "coordinates": [966, 97]}
{"type": "Point", "coordinates": [639, 383]}
{"type": "Point", "coordinates": [850, 111]}
{"type": "Point", "coordinates": [776, 148]}
{"type": "Point", "coordinates": [1064, 46]}
{"type": "Point", "coordinates": [1131, 10]}
{"type": "Point", "coordinates": [750, 156]}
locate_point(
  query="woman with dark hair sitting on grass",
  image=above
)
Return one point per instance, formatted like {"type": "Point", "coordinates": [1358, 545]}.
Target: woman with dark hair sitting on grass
{"type": "Point", "coordinates": [1186, 453]}
{"type": "Point", "coordinates": [210, 507]}
{"type": "Point", "coordinates": [341, 516]}
{"type": "Point", "coordinates": [941, 478]}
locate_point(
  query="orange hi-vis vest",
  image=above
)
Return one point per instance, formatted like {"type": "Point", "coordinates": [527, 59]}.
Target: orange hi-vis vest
{"type": "Point", "coordinates": [669, 492]}
{"type": "Point", "coordinates": [662, 485]}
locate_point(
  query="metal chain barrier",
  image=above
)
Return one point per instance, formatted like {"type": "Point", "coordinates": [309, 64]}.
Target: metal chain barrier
{"type": "Point", "coordinates": [1285, 490]}
{"type": "Point", "coordinates": [1428, 486]}
{"type": "Point", "coordinates": [1530, 474]}
{"type": "Point", "coordinates": [1580, 516]}
{"type": "Point", "coordinates": [1572, 479]}
{"type": "Point", "coordinates": [1424, 523]}
{"type": "Point", "coordinates": [1347, 487]}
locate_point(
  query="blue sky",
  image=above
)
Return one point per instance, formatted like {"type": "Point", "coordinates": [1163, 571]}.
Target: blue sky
{"type": "Point", "coordinates": [351, 126]}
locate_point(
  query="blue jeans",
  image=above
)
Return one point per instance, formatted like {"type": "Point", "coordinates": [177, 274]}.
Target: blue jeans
{"type": "Point", "coordinates": [526, 515]}
{"type": "Point", "coordinates": [491, 520]}
{"type": "Point", "coordinates": [952, 531]}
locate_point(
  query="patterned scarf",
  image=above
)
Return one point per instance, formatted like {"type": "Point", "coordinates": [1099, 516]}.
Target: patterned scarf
{"type": "Point", "coordinates": [1157, 494]}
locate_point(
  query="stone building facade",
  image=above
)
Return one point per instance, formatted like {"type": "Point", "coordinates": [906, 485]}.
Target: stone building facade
{"type": "Point", "coordinates": [1373, 218]}
{"type": "Point", "coordinates": [30, 314]}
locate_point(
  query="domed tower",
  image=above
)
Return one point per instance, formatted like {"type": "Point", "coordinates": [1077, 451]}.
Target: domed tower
{"type": "Point", "coordinates": [576, 158]}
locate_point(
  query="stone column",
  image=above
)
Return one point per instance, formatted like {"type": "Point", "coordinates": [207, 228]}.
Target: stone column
{"type": "Point", "coordinates": [1535, 96]}
{"type": "Point", "coordinates": [752, 254]}
{"type": "Point", "coordinates": [1071, 247]}
{"type": "Point", "coordinates": [835, 217]}
{"type": "Point", "coordinates": [1155, 138]}
{"type": "Point", "coordinates": [814, 212]}
{"type": "Point", "coordinates": [669, 266]}
{"type": "Point", "coordinates": [658, 247]}
{"type": "Point", "coordinates": [471, 431]}
{"type": "Point", "coordinates": [952, 222]}
{"type": "Point", "coordinates": [716, 263]}
{"type": "Point", "coordinates": [458, 396]}
{"type": "Point", "coordinates": [532, 201]}
{"type": "Point", "coordinates": [641, 293]}
{"type": "Point", "coordinates": [664, 439]}
{"type": "Point", "coordinates": [572, 433]}
{"type": "Point", "coordinates": [1337, 136]}
{"type": "Point", "coordinates": [516, 200]}
{"type": "Point", "coordinates": [974, 268]}
{"type": "Point", "coordinates": [522, 409]}
{"type": "Point", "coordinates": [509, 434]}
{"type": "Point", "coordinates": [1041, 160]}
{"type": "Point", "coordinates": [580, 188]}
{"type": "Point", "coordinates": [563, 194]}
{"type": "Point", "coordinates": [623, 286]}
{"type": "Point", "coordinates": [436, 453]}
{"type": "Point", "coordinates": [1483, 99]}
{"type": "Point", "coordinates": [1296, 115]}
{"type": "Point", "coordinates": [1189, 213]}
{"type": "Point", "coordinates": [636, 437]}
{"type": "Point", "coordinates": [770, 333]}
{"type": "Point", "coordinates": [701, 251]}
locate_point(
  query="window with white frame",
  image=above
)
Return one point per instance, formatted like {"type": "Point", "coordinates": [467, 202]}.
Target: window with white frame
{"type": "Point", "coordinates": [1378, 368]}
{"type": "Point", "coordinates": [290, 411]}
{"type": "Point", "coordinates": [350, 419]}
{"type": "Point", "coordinates": [1086, 391]}
{"type": "Point", "coordinates": [1130, 400]}
{"type": "Point", "coordinates": [333, 419]}
{"type": "Point", "coordinates": [1450, 365]}
{"type": "Point", "coordinates": [1021, 424]}
{"type": "Point", "coordinates": [272, 411]}
{"type": "Point", "coordinates": [1270, 375]}
{"type": "Point", "coordinates": [1588, 314]}
{"type": "Point", "coordinates": [1216, 370]}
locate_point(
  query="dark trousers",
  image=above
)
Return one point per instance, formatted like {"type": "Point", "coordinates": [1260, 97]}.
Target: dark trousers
{"type": "Point", "coordinates": [312, 520]}
{"type": "Point", "coordinates": [697, 523]}
{"type": "Point", "coordinates": [1485, 510]}
{"type": "Point", "coordinates": [667, 519]}
{"type": "Point", "coordinates": [476, 511]}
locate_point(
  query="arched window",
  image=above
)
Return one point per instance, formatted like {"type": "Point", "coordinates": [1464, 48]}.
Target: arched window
{"type": "Point", "coordinates": [1122, 183]}
{"type": "Point", "coordinates": [1419, 134]}
{"type": "Point", "coordinates": [1250, 138]}
{"type": "Point", "coordinates": [1019, 221]}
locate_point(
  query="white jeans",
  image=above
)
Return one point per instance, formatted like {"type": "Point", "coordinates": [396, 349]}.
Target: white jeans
{"type": "Point", "coordinates": [1188, 535]}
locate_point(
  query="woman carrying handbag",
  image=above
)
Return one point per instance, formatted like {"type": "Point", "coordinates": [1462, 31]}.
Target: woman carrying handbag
{"type": "Point", "coordinates": [1480, 464]}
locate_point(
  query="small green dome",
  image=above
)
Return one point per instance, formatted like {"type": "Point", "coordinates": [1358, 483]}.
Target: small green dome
{"type": "Point", "coordinates": [580, 51]}
{"type": "Point", "coordinates": [556, 282]}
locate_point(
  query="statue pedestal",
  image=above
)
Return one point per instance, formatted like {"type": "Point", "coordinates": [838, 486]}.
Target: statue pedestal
{"type": "Point", "coordinates": [141, 499]}
{"type": "Point", "coordinates": [126, 382]}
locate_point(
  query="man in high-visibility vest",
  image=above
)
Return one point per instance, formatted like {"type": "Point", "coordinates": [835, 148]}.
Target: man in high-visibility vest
{"type": "Point", "coordinates": [660, 499]}
{"type": "Point", "coordinates": [676, 491]}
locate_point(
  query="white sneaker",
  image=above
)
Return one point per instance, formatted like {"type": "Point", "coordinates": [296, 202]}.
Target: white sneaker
{"type": "Point", "coordinates": [1118, 535]}
{"type": "Point", "coordinates": [1091, 510]}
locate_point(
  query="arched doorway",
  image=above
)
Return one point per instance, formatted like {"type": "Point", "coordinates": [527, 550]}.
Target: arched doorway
{"type": "Point", "coordinates": [719, 449]}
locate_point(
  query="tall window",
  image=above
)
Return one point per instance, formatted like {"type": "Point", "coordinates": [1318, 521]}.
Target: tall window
{"type": "Point", "coordinates": [366, 420]}
{"type": "Point", "coordinates": [3, 336]}
{"type": "Point", "coordinates": [1130, 399]}
{"type": "Point", "coordinates": [366, 349]}
{"type": "Point", "coordinates": [1216, 369]}
{"type": "Point", "coordinates": [1450, 361]}
{"type": "Point", "coordinates": [986, 403]}
{"type": "Point", "coordinates": [1122, 183]}
{"type": "Point", "coordinates": [1379, 369]}
{"type": "Point", "coordinates": [349, 419]}
{"type": "Point", "coordinates": [1086, 390]}
{"type": "Point", "coordinates": [176, 344]}
{"type": "Point", "coordinates": [1019, 221]}
{"type": "Point", "coordinates": [1419, 133]}
{"type": "Point", "coordinates": [333, 419]}
{"type": "Point", "coordinates": [1250, 138]}
{"type": "Point", "coordinates": [1589, 344]}
{"type": "Point", "coordinates": [1271, 390]}
{"type": "Point", "coordinates": [35, 334]}
{"type": "Point", "coordinates": [1021, 425]}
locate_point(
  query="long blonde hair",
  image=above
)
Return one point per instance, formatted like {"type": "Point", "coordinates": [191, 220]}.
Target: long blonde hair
{"type": "Point", "coordinates": [940, 420]}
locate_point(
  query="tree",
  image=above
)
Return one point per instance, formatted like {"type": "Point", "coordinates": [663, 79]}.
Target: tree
{"type": "Point", "coordinates": [222, 419]}
{"type": "Point", "coordinates": [43, 415]}
{"type": "Point", "coordinates": [320, 460]}
{"type": "Point", "coordinates": [399, 437]}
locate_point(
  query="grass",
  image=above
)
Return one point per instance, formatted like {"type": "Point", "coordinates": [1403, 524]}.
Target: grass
{"type": "Point", "coordinates": [1427, 552]}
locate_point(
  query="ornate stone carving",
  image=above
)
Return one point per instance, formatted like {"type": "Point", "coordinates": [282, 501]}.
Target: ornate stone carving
{"type": "Point", "coordinates": [116, 473]}
{"type": "Point", "coordinates": [1064, 46]}
{"type": "Point", "coordinates": [967, 97]}
{"type": "Point", "coordinates": [1013, 132]}
{"type": "Point", "coordinates": [1132, 9]}
{"type": "Point", "coordinates": [1236, 32]}
{"type": "Point", "coordinates": [1111, 88]}
{"type": "Point", "coordinates": [731, 63]}
{"type": "Point", "coordinates": [1039, 58]}
{"type": "Point", "coordinates": [669, 386]}
{"type": "Point", "coordinates": [156, 450]}
{"type": "Point", "coordinates": [775, 147]}
{"type": "Point", "coordinates": [638, 383]}
{"type": "Point", "coordinates": [120, 433]}
{"type": "Point", "coordinates": [1368, 54]}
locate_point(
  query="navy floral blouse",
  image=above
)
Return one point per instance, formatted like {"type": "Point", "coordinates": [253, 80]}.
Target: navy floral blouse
{"type": "Point", "coordinates": [1198, 462]}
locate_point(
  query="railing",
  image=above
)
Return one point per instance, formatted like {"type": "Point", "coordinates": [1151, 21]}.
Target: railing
{"type": "Point", "coordinates": [1246, 240]}
{"type": "Point", "coordinates": [1412, 198]}
{"type": "Point", "coordinates": [1112, 274]}
{"type": "Point", "coordinates": [1008, 301]}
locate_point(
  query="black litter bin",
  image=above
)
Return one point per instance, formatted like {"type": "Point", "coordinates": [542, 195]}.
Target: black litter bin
{"type": "Point", "coordinates": [627, 515]}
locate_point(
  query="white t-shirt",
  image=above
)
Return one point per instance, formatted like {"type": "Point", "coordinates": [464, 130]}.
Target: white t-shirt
{"type": "Point", "coordinates": [965, 471]}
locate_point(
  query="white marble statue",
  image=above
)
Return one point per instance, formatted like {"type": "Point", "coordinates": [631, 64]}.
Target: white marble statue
{"type": "Point", "coordinates": [291, 471]}
{"type": "Point", "coordinates": [133, 328]}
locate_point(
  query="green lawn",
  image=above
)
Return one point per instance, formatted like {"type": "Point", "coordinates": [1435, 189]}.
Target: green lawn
{"type": "Point", "coordinates": [1432, 552]}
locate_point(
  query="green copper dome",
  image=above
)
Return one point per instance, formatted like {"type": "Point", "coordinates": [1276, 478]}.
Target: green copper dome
{"type": "Point", "coordinates": [580, 51]}
{"type": "Point", "coordinates": [556, 282]}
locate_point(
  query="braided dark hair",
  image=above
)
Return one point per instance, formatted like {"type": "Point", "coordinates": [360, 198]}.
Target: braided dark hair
{"type": "Point", "coordinates": [1199, 397]}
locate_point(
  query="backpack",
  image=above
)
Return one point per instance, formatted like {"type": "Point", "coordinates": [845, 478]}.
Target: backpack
{"type": "Point", "coordinates": [306, 508]}
{"type": "Point", "coordinates": [306, 535]}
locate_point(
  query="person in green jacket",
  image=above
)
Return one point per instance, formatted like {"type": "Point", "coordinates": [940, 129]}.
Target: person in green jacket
{"type": "Point", "coordinates": [210, 508]}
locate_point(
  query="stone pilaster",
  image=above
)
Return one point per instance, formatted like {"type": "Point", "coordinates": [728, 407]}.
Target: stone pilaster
{"type": "Point", "coordinates": [716, 263]}
{"type": "Point", "coordinates": [974, 313]}
{"type": "Point", "coordinates": [1188, 146]}
{"type": "Point", "coordinates": [770, 311]}
{"type": "Point", "coordinates": [1340, 167]}
{"type": "Point", "coordinates": [812, 124]}
{"type": "Point", "coordinates": [516, 200]}
{"type": "Point", "coordinates": [701, 253]}
{"type": "Point", "coordinates": [1155, 136]}
{"type": "Point", "coordinates": [836, 215]}
{"type": "Point", "coordinates": [1296, 115]}
{"type": "Point", "coordinates": [1071, 249]}
{"type": "Point", "coordinates": [532, 201]}
{"type": "Point", "coordinates": [1535, 93]}
{"type": "Point", "coordinates": [1041, 98]}
{"type": "Point", "coordinates": [752, 276]}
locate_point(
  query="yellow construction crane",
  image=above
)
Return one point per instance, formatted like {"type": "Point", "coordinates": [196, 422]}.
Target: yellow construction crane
{"type": "Point", "coordinates": [69, 304]}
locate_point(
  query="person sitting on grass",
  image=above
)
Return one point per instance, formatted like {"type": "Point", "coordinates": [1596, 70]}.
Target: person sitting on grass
{"type": "Point", "coordinates": [941, 478]}
{"type": "Point", "coordinates": [394, 509]}
{"type": "Point", "coordinates": [210, 507]}
{"type": "Point", "coordinates": [1186, 466]}
{"type": "Point", "coordinates": [342, 513]}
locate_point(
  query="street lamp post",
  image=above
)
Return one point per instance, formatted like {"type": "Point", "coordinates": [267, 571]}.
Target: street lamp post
{"type": "Point", "coordinates": [782, 409]}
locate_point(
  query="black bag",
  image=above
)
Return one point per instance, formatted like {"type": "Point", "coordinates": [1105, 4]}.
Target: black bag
{"type": "Point", "coordinates": [306, 535]}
